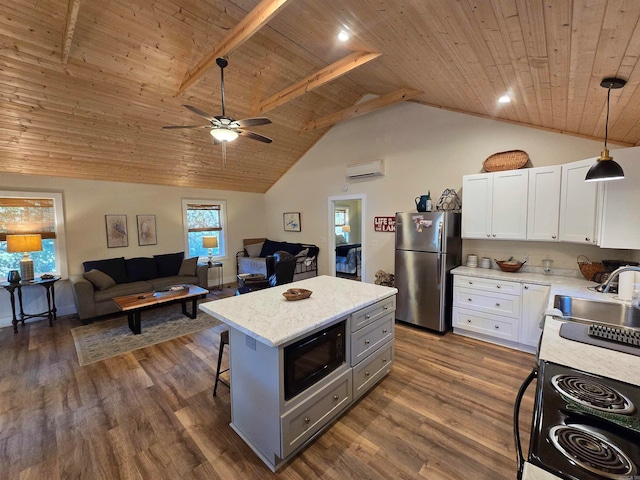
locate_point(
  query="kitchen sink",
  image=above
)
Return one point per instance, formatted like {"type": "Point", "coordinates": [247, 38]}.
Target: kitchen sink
{"type": "Point", "coordinates": [585, 310]}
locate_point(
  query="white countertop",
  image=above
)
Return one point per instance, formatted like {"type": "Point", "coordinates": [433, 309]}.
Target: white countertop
{"type": "Point", "coordinates": [269, 318]}
{"type": "Point", "coordinates": [571, 286]}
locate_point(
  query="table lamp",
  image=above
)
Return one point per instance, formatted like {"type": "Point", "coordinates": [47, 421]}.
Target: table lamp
{"type": "Point", "coordinates": [210, 243]}
{"type": "Point", "coordinates": [25, 244]}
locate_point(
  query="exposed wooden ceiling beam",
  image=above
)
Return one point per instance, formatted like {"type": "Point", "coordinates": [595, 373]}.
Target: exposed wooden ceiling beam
{"type": "Point", "coordinates": [365, 107]}
{"type": "Point", "coordinates": [328, 73]}
{"type": "Point", "coordinates": [242, 32]}
{"type": "Point", "coordinates": [69, 29]}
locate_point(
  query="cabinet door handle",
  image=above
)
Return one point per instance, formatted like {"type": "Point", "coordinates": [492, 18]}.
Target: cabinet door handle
{"type": "Point", "coordinates": [385, 308]}
{"type": "Point", "coordinates": [470, 282]}
{"type": "Point", "coordinates": [367, 316]}
{"type": "Point", "coordinates": [367, 342]}
{"type": "Point", "coordinates": [384, 359]}
{"type": "Point", "coordinates": [469, 299]}
{"type": "Point", "coordinates": [468, 320]}
{"type": "Point", "coordinates": [384, 330]}
{"type": "Point", "coordinates": [336, 397]}
{"type": "Point", "coordinates": [307, 419]}
{"type": "Point", "coordinates": [366, 374]}
{"type": "Point", "coordinates": [497, 305]}
{"type": "Point", "coordinates": [494, 235]}
{"type": "Point", "coordinates": [526, 287]}
{"type": "Point", "coordinates": [554, 236]}
{"type": "Point", "coordinates": [497, 286]}
{"type": "Point", "coordinates": [497, 327]}
{"type": "Point", "coordinates": [587, 239]}
{"type": "Point", "coordinates": [488, 235]}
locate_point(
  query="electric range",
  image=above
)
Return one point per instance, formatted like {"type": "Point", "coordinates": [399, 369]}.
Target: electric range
{"type": "Point", "coordinates": [585, 427]}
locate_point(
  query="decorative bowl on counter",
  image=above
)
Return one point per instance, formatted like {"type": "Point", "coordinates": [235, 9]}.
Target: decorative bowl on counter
{"type": "Point", "coordinates": [510, 266]}
{"type": "Point", "coordinates": [297, 294]}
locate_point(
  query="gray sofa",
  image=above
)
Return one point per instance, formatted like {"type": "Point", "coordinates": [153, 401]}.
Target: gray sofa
{"type": "Point", "coordinates": [102, 280]}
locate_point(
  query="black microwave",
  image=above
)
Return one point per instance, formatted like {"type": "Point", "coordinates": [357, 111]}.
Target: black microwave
{"type": "Point", "coordinates": [313, 358]}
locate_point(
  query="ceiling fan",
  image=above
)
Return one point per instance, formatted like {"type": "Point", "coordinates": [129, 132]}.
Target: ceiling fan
{"type": "Point", "coordinates": [225, 129]}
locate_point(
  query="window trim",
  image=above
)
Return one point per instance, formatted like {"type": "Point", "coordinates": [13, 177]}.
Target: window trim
{"type": "Point", "coordinates": [222, 235]}
{"type": "Point", "coordinates": [60, 246]}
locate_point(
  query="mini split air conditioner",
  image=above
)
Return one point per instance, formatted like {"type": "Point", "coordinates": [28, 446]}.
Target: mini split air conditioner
{"type": "Point", "coordinates": [364, 170]}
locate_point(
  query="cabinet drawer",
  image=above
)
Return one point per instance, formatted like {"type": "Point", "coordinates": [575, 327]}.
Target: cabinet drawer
{"type": "Point", "coordinates": [370, 338]}
{"type": "Point", "coordinates": [492, 325]}
{"type": "Point", "coordinates": [501, 286]}
{"type": "Point", "coordinates": [490, 302]}
{"type": "Point", "coordinates": [371, 313]}
{"type": "Point", "coordinates": [306, 419]}
{"type": "Point", "coordinates": [370, 370]}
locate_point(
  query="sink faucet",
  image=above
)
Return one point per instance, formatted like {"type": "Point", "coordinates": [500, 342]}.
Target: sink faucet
{"type": "Point", "coordinates": [604, 287]}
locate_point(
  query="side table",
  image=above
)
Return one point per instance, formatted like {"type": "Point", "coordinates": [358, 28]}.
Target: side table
{"type": "Point", "coordinates": [48, 285]}
{"type": "Point", "coordinates": [218, 265]}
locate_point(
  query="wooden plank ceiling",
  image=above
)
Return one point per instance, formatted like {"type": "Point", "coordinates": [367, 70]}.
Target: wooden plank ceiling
{"type": "Point", "coordinates": [86, 86]}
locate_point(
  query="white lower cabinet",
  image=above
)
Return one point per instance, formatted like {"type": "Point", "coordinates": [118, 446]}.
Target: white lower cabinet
{"type": "Point", "coordinates": [535, 299]}
{"type": "Point", "coordinates": [498, 311]}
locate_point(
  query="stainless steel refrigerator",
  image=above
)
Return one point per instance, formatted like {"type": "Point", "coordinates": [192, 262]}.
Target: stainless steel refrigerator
{"type": "Point", "coordinates": [428, 247]}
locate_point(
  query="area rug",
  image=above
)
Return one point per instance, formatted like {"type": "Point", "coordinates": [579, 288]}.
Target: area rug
{"type": "Point", "coordinates": [107, 338]}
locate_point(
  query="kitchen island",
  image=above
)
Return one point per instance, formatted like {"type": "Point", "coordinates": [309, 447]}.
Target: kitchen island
{"type": "Point", "coordinates": [263, 326]}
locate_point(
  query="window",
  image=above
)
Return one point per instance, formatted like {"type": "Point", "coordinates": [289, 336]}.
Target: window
{"type": "Point", "coordinates": [341, 221]}
{"type": "Point", "coordinates": [204, 218]}
{"type": "Point", "coordinates": [33, 212]}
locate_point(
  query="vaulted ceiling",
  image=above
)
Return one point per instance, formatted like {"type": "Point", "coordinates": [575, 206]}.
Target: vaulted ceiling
{"type": "Point", "coordinates": [86, 86]}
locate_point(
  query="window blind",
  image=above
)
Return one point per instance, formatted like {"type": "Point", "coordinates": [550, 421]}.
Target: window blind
{"type": "Point", "coordinates": [27, 215]}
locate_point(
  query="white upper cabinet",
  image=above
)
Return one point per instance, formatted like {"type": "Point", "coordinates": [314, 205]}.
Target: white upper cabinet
{"type": "Point", "coordinates": [495, 205]}
{"type": "Point", "coordinates": [509, 219]}
{"type": "Point", "coordinates": [544, 203]}
{"type": "Point", "coordinates": [477, 191]}
{"type": "Point", "coordinates": [578, 204]}
{"type": "Point", "coordinates": [621, 204]}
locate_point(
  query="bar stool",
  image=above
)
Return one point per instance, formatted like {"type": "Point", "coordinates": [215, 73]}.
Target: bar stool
{"type": "Point", "coordinates": [224, 340]}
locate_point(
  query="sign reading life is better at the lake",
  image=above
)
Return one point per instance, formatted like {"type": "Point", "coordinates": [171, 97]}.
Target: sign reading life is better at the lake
{"type": "Point", "coordinates": [384, 224]}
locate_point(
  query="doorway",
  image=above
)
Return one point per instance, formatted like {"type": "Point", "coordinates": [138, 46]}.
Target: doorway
{"type": "Point", "coordinates": [346, 237]}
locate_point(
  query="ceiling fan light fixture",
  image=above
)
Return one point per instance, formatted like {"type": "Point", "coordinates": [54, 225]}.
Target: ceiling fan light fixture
{"type": "Point", "coordinates": [504, 98]}
{"type": "Point", "coordinates": [343, 36]}
{"type": "Point", "coordinates": [223, 134]}
{"type": "Point", "coordinates": [606, 168]}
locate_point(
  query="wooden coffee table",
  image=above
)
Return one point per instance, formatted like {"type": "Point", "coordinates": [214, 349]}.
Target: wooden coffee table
{"type": "Point", "coordinates": [135, 304]}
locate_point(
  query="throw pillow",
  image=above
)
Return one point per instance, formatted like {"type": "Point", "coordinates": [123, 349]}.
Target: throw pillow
{"type": "Point", "coordinates": [114, 267]}
{"type": "Point", "coordinates": [254, 249]}
{"type": "Point", "coordinates": [99, 279]}
{"type": "Point", "coordinates": [169, 264]}
{"type": "Point", "coordinates": [141, 268]}
{"type": "Point", "coordinates": [188, 267]}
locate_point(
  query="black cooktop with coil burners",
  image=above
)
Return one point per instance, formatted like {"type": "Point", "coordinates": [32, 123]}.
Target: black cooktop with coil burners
{"type": "Point", "coordinates": [585, 427]}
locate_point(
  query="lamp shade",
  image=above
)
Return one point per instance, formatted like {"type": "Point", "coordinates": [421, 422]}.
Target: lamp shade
{"type": "Point", "coordinates": [604, 170]}
{"type": "Point", "coordinates": [223, 134]}
{"type": "Point", "coordinates": [346, 228]}
{"type": "Point", "coordinates": [210, 242]}
{"type": "Point", "coordinates": [24, 243]}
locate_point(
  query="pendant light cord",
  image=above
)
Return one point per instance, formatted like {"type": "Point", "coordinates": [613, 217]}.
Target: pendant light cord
{"type": "Point", "coordinates": [606, 125]}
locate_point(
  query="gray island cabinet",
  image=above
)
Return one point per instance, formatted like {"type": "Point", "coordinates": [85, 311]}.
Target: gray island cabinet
{"type": "Point", "coordinates": [263, 324]}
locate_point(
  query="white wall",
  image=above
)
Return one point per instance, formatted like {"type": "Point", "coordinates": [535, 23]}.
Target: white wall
{"type": "Point", "coordinates": [424, 149]}
{"type": "Point", "coordinates": [86, 202]}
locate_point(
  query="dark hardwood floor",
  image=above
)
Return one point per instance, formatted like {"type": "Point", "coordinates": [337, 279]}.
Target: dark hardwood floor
{"type": "Point", "coordinates": [444, 412]}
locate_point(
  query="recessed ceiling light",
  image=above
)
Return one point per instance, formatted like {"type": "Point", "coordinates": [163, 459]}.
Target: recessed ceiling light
{"type": "Point", "coordinates": [504, 99]}
{"type": "Point", "coordinates": [343, 36]}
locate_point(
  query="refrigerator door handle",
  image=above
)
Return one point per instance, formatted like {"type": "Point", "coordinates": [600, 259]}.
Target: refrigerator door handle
{"type": "Point", "coordinates": [439, 268]}
{"type": "Point", "coordinates": [440, 237]}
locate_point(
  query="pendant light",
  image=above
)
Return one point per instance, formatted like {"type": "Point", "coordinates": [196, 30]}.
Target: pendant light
{"type": "Point", "coordinates": [606, 168]}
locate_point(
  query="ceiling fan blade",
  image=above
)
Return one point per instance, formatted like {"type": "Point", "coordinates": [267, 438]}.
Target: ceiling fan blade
{"type": "Point", "coordinates": [254, 136]}
{"type": "Point", "coordinates": [187, 126]}
{"type": "Point", "coordinates": [251, 122]}
{"type": "Point", "coordinates": [197, 111]}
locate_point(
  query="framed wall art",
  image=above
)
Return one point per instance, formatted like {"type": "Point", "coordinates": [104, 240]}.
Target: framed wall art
{"type": "Point", "coordinates": [146, 230]}
{"type": "Point", "coordinates": [292, 222]}
{"type": "Point", "coordinates": [117, 235]}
